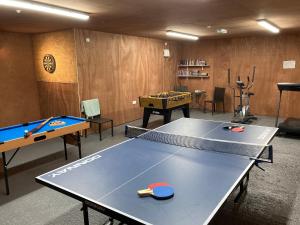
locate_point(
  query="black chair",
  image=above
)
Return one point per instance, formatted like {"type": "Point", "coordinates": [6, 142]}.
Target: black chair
{"type": "Point", "coordinates": [181, 88]}
{"type": "Point", "coordinates": [99, 120]}
{"type": "Point", "coordinates": [95, 117]}
{"type": "Point", "coordinates": [219, 96]}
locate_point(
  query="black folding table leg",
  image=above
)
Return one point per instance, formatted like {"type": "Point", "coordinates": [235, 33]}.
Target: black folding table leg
{"type": "Point", "coordinates": [243, 187]}
{"type": "Point", "coordinates": [270, 153]}
{"type": "Point", "coordinates": [65, 147]}
{"type": "Point", "coordinates": [5, 172]}
{"type": "Point", "coordinates": [278, 109]}
{"type": "Point", "coordinates": [85, 214]}
{"type": "Point", "coordinates": [112, 128]}
{"type": "Point", "coordinates": [110, 221]}
{"type": "Point", "coordinates": [79, 143]}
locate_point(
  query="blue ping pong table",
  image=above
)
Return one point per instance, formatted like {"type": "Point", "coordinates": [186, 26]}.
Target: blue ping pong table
{"type": "Point", "coordinates": [202, 161]}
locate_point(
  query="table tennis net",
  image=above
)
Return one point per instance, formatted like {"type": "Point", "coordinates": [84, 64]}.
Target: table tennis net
{"type": "Point", "coordinates": [250, 150]}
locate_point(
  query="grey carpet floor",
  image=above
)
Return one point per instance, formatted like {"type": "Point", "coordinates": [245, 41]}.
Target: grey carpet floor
{"type": "Point", "coordinates": [273, 195]}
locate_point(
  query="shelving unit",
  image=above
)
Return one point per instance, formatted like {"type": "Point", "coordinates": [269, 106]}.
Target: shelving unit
{"type": "Point", "coordinates": [192, 76]}
{"type": "Point", "coordinates": [185, 71]}
{"type": "Point", "coordinates": [203, 66]}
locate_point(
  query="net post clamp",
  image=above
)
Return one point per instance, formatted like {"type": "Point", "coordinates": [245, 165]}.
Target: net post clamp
{"type": "Point", "coordinates": [261, 160]}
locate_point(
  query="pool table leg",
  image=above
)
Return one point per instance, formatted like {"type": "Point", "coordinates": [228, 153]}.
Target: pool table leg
{"type": "Point", "coordinates": [5, 172]}
{"type": "Point", "coordinates": [79, 144]}
{"type": "Point", "coordinates": [65, 147]}
{"type": "Point", "coordinates": [73, 140]}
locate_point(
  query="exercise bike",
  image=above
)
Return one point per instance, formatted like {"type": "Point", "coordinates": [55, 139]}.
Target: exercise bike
{"type": "Point", "coordinates": [241, 112]}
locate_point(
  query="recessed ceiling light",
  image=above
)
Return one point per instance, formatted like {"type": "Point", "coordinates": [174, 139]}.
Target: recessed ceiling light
{"type": "Point", "coordinates": [44, 8]}
{"type": "Point", "coordinates": [267, 25]}
{"type": "Point", "coordinates": [222, 31]}
{"type": "Point", "coordinates": [182, 35]}
{"type": "Point", "coordinates": [209, 26]}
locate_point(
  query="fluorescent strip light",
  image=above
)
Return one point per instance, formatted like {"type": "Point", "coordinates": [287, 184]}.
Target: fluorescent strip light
{"type": "Point", "coordinates": [267, 25]}
{"type": "Point", "coordinates": [44, 8]}
{"type": "Point", "coordinates": [182, 35]}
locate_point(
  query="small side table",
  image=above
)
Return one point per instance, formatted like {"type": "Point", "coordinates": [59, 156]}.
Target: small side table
{"type": "Point", "coordinates": [198, 94]}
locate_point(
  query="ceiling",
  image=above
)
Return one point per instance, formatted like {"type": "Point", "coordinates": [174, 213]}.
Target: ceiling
{"type": "Point", "coordinates": [151, 18]}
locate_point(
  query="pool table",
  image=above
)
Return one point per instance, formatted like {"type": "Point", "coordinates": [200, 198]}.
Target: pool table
{"type": "Point", "coordinates": [12, 137]}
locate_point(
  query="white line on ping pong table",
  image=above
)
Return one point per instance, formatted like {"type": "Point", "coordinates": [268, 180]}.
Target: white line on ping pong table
{"type": "Point", "coordinates": [141, 173]}
{"type": "Point", "coordinates": [213, 129]}
{"type": "Point", "coordinates": [229, 122]}
{"type": "Point", "coordinates": [95, 153]}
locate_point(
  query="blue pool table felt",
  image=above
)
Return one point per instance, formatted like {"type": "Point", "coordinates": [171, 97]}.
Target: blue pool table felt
{"type": "Point", "coordinates": [18, 131]}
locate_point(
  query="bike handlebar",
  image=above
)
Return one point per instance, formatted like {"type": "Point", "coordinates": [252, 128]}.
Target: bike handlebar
{"type": "Point", "coordinates": [250, 83]}
{"type": "Point", "coordinates": [254, 68]}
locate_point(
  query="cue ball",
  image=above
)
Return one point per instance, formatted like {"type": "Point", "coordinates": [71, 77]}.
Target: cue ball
{"type": "Point", "coordinates": [26, 131]}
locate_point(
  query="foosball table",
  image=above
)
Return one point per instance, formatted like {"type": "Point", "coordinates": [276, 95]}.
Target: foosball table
{"type": "Point", "coordinates": [164, 103]}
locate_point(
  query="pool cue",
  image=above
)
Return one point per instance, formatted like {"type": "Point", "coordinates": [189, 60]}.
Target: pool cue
{"type": "Point", "coordinates": [28, 134]}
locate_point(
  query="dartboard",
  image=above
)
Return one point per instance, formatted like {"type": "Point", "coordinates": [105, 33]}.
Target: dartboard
{"type": "Point", "coordinates": [49, 63]}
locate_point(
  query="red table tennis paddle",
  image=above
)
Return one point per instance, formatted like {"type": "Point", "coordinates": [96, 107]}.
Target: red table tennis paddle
{"type": "Point", "coordinates": [157, 184]}
{"type": "Point", "coordinates": [235, 128]}
{"type": "Point", "coordinates": [159, 192]}
{"type": "Point", "coordinates": [238, 129]}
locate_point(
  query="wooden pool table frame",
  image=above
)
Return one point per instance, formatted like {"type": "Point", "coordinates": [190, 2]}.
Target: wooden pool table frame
{"type": "Point", "coordinates": [67, 133]}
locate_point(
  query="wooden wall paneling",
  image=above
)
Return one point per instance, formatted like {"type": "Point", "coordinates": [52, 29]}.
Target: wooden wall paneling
{"type": "Point", "coordinates": [155, 76]}
{"type": "Point", "coordinates": [133, 70]}
{"type": "Point", "coordinates": [118, 69]}
{"type": "Point", "coordinates": [290, 100]}
{"type": "Point", "coordinates": [267, 54]}
{"type": "Point", "coordinates": [58, 91]}
{"type": "Point", "coordinates": [170, 66]}
{"type": "Point", "coordinates": [18, 88]}
{"type": "Point", "coordinates": [221, 63]}
{"type": "Point", "coordinates": [62, 46]}
{"type": "Point", "coordinates": [240, 54]}
{"type": "Point", "coordinates": [98, 73]}
{"type": "Point", "coordinates": [58, 99]}
{"type": "Point", "coordinates": [268, 64]}
{"type": "Point", "coordinates": [203, 50]}
{"type": "Point", "coordinates": [241, 64]}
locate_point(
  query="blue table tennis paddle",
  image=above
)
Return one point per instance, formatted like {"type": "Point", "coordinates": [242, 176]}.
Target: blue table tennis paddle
{"type": "Point", "coordinates": [159, 192]}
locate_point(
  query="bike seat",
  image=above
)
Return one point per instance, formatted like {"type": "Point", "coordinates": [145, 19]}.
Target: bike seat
{"type": "Point", "coordinates": [240, 83]}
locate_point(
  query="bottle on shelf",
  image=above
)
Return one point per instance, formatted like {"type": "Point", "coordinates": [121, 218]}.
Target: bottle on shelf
{"type": "Point", "coordinates": [192, 62]}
